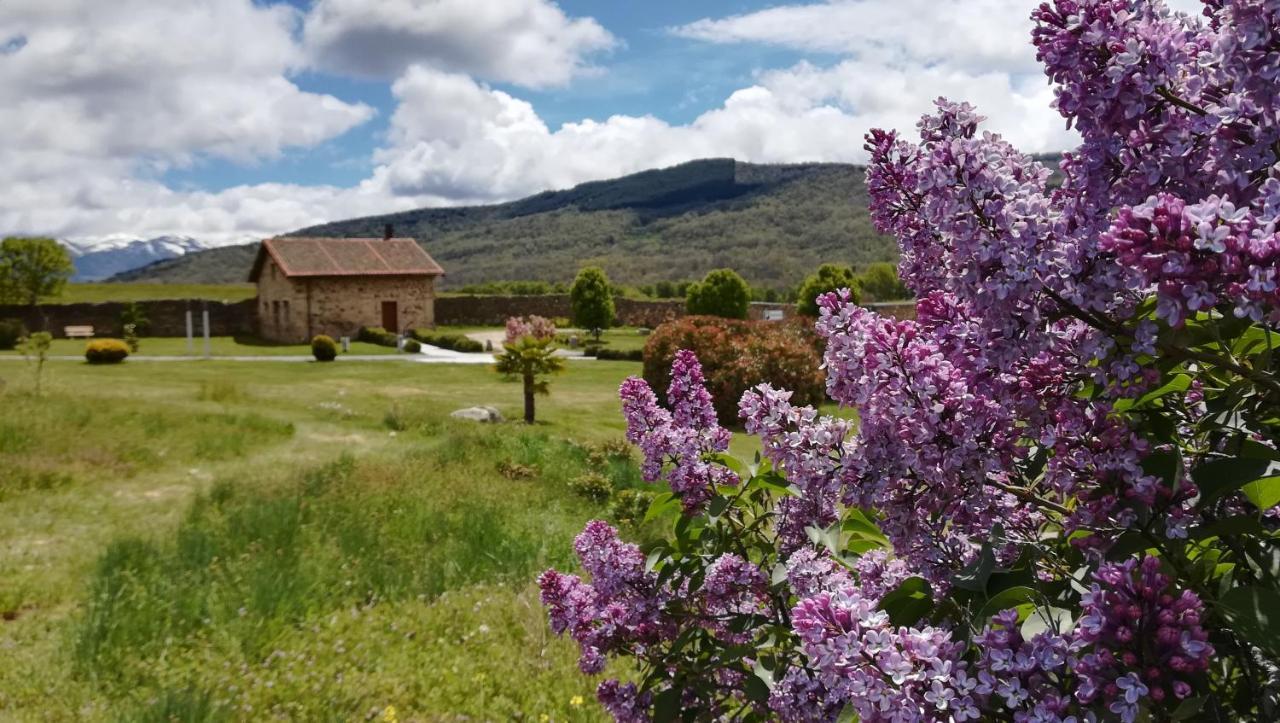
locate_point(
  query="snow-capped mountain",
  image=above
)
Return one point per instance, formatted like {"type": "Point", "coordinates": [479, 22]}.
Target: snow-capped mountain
{"type": "Point", "coordinates": [104, 260]}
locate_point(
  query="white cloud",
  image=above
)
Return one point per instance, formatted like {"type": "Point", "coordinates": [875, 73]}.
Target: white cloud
{"type": "Point", "coordinates": [527, 42]}
{"type": "Point", "coordinates": [97, 95]}
{"type": "Point", "coordinates": [454, 138]}
{"type": "Point", "coordinates": [973, 35]}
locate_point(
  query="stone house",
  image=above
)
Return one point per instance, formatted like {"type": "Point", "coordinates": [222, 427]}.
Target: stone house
{"type": "Point", "coordinates": [335, 286]}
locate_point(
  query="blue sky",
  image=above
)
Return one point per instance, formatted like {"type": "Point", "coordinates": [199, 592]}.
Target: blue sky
{"type": "Point", "coordinates": [231, 120]}
{"type": "Point", "coordinates": [651, 72]}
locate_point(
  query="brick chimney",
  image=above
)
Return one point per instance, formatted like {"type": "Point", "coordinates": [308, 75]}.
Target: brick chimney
{"type": "Point", "coordinates": [388, 231]}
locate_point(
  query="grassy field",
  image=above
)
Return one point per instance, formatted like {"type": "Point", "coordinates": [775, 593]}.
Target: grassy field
{"type": "Point", "coordinates": [250, 541]}
{"type": "Point", "coordinates": [96, 293]}
{"type": "Point", "coordinates": [218, 346]}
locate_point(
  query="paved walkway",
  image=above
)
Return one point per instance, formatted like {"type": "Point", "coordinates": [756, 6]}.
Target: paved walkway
{"type": "Point", "coordinates": [428, 355]}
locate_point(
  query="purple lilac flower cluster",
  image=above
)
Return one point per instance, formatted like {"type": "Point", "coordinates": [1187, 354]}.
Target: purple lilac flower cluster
{"type": "Point", "coordinates": [1025, 677]}
{"type": "Point", "coordinates": [681, 438]}
{"type": "Point", "coordinates": [1145, 638]}
{"type": "Point", "coordinates": [535, 326]}
{"type": "Point", "coordinates": [886, 673]}
{"type": "Point", "coordinates": [621, 606]}
{"type": "Point", "coordinates": [808, 448]}
{"type": "Point", "coordinates": [1199, 256]}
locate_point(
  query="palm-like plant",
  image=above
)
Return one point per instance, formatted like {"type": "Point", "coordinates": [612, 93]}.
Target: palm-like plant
{"type": "Point", "coordinates": [531, 360]}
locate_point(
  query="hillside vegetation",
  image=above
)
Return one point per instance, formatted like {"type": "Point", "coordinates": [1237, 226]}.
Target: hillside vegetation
{"type": "Point", "coordinates": [772, 223]}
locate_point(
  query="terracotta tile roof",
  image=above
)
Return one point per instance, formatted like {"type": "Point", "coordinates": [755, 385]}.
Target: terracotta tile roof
{"type": "Point", "coordinates": [319, 256]}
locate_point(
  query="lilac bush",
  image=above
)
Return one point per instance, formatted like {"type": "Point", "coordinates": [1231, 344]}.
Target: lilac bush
{"type": "Point", "coordinates": [1059, 499]}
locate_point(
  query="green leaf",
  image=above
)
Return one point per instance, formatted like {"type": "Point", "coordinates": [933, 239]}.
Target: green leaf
{"type": "Point", "coordinates": [1014, 597]}
{"type": "Point", "coordinates": [1188, 708]}
{"type": "Point", "coordinates": [909, 602]}
{"type": "Point", "coordinates": [1255, 613]}
{"type": "Point", "coordinates": [828, 538]}
{"type": "Point", "coordinates": [666, 707]}
{"type": "Point", "coordinates": [1263, 493]}
{"type": "Point", "coordinates": [857, 521]}
{"type": "Point", "coordinates": [1179, 383]}
{"type": "Point", "coordinates": [1218, 477]}
{"type": "Point", "coordinates": [737, 466]}
{"type": "Point", "coordinates": [974, 577]}
{"type": "Point", "coordinates": [1240, 524]}
{"type": "Point", "coordinates": [662, 505]}
{"type": "Point", "coordinates": [848, 715]}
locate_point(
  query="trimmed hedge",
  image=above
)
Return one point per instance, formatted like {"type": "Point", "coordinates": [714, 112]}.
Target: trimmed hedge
{"type": "Point", "coordinates": [411, 346]}
{"type": "Point", "coordinates": [377, 335]}
{"type": "Point", "coordinates": [454, 342]}
{"type": "Point", "coordinates": [604, 353]}
{"type": "Point", "coordinates": [737, 355]}
{"type": "Point", "coordinates": [106, 351]}
{"type": "Point", "coordinates": [11, 331]}
{"type": "Point", "coordinates": [324, 349]}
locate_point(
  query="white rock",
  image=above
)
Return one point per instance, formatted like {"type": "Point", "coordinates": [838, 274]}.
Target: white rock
{"type": "Point", "coordinates": [478, 414]}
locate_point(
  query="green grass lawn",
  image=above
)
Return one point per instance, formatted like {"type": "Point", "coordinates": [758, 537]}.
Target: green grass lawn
{"type": "Point", "coordinates": [99, 292]}
{"type": "Point", "coordinates": [249, 541]}
{"type": "Point", "coordinates": [218, 346]}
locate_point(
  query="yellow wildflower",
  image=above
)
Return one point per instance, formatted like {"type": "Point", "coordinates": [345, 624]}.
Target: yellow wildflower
{"type": "Point", "coordinates": [389, 714]}
{"type": "Point", "coordinates": [576, 701]}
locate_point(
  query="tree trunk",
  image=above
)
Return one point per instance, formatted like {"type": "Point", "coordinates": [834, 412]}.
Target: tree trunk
{"type": "Point", "coordinates": [528, 399]}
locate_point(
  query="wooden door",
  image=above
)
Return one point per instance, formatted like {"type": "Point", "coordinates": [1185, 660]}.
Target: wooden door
{"type": "Point", "coordinates": [390, 317]}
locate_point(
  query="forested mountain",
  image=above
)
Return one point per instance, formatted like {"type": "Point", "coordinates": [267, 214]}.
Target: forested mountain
{"type": "Point", "coordinates": [773, 223]}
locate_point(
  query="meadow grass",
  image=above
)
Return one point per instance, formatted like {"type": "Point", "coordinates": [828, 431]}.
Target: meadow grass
{"type": "Point", "coordinates": [246, 541]}
{"type": "Point", "coordinates": [95, 293]}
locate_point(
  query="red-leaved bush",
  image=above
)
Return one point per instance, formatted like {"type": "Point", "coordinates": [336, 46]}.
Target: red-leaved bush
{"type": "Point", "coordinates": [736, 355]}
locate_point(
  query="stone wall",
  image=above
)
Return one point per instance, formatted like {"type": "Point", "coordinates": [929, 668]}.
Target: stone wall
{"type": "Point", "coordinates": [494, 310]}
{"type": "Point", "coordinates": [168, 317]}
{"type": "Point", "coordinates": [297, 309]}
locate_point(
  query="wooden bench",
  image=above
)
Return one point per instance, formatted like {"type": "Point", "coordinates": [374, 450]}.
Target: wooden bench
{"type": "Point", "coordinates": [78, 332]}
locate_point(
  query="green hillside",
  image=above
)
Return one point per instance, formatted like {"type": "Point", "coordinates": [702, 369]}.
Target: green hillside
{"type": "Point", "coordinates": [773, 223]}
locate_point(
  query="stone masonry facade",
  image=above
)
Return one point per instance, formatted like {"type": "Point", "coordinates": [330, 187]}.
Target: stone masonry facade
{"type": "Point", "coordinates": [298, 308]}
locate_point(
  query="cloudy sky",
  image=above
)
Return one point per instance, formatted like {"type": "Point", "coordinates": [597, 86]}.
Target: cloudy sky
{"type": "Point", "coordinates": [228, 120]}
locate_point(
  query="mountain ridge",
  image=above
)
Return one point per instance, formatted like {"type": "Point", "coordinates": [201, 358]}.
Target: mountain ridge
{"type": "Point", "coordinates": [773, 223]}
{"type": "Point", "coordinates": [104, 260]}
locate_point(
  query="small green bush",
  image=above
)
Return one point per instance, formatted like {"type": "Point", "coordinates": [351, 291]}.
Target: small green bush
{"type": "Point", "coordinates": [453, 342]}
{"type": "Point", "coordinates": [619, 354]}
{"type": "Point", "coordinates": [11, 330]}
{"type": "Point", "coordinates": [630, 506]}
{"type": "Point", "coordinates": [411, 346]}
{"type": "Point", "coordinates": [106, 351]}
{"type": "Point", "coordinates": [324, 349]}
{"type": "Point", "coordinates": [593, 486]}
{"type": "Point", "coordinates": [376, 335]}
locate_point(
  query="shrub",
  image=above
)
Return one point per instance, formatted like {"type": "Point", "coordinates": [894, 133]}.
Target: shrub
{"type": "Point", "coordinates": [721, 292]}
{"type": "Point", "coordinates": [324, 349]}
{"type": "Point", "coordinates": [608, 354]}
{"type": "Point", "coordinates": [106, 351]}
{"type": "Point", "coordinates": [830, 277]}
{"type": "Point", "coordinates": [454, 342]}
{"type": "Point", "coordinates": [516, 471]}
{"type": "Point", "coordinates": [591, 300]}
{"type": "Point", "coordinates": [376, 335]}
{"type": "Point", "coordinates": [412, 346]}
{"type": "Point", "coordinates": [593, 486]}
{"type": "Point", "coordinates": [737, 355]}
{"type": "Point", "coordinates": [880, 282]}
{"type": "Point", "coordinates": [629, 506]}
{"type": "Point", "coordinates": [11, 330]}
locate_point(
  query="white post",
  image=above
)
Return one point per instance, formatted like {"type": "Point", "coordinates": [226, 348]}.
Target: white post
{"type": "Point", "coordinates": [206, 333]}
{"type": "Point", "coordinates": [191, 343]}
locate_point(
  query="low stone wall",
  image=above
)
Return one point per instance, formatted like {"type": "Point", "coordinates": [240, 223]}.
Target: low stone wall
{"type": "Point", "coordinates": [494, 310]}
{"type": "Point", "coordinates": [167, 318]}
